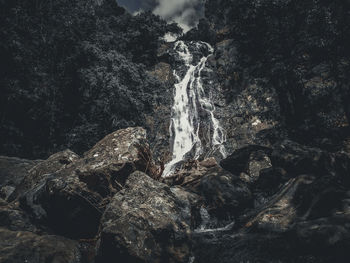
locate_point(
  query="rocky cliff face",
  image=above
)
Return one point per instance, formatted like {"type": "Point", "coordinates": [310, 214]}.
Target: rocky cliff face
{"type": "Point", "coordinates": [278, 80]}
{"type": "Point", "coordinates": [283, 66]}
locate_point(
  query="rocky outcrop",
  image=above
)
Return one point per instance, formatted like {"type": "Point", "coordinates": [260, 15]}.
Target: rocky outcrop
{"type": "Point", "coordinates": [67, 195]}
{"type": "Point", "coordinates": [288, 202]}
{"type": "Point", "coordinates": [224, 195]}
{"type": "Point", "coordinates": [146, 222]}
{"type": "Point", "coordinates": [300, 214]}
{"type": "Point", "coordinates": [277, 85]}
{"type": "Point", "coordinates": [123, 147]}
{"type": "Point", "coordinates": [72, 199]}
{"type": "Point", "coordinates": [158, 123]}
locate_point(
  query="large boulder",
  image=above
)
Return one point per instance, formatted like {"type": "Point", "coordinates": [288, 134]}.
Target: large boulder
{"type": "Point", "coordinates": [248, 162]}
{"type": "Point", "coordinates": [72, 199]}
{"type": "Point", "coordinates": [22, 246]}
{"type": "Point", "coordinates": [147, 222]}
{"type": "Point", "coordinates": [224, 195]}
{"type": "Point", "coordinates": [123, 146]}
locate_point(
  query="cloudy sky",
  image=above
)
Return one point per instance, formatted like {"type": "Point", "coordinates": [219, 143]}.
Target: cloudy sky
{"type": "Point", "coordinates": [185, 12]}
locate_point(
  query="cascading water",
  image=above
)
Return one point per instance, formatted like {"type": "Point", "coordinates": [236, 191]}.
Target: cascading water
{"type": "Point", "coordinates": [189, 98]}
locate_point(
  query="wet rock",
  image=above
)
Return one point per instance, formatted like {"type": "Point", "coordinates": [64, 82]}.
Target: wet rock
{"type": "Point", "coordinates": [146, 222]}
{"type": "Point", "coordinates": [71, 200]}
{"type": "Point", "coordinates": [22, 246]}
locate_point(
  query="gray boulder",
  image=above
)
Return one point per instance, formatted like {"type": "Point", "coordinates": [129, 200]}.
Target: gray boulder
{"type": "Point", "coordinates": [72, 199]}
{"type": "Point", "coordinates": [147, 222]}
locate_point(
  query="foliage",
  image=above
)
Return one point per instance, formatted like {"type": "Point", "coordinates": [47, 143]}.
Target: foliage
{"type": "Point", "coordinates": [72, 71]}
{"type": "Point", "coordinates": [284, 29]}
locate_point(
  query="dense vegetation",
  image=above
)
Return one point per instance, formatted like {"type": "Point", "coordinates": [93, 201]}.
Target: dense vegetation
{"type": "Point", "coordinates": [284, 29]}
{"type": "Point", "coordinates": [73, 71]}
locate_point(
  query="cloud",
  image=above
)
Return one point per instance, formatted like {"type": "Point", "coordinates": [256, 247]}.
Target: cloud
{"type": "Point", "coordinates": [184, 12]}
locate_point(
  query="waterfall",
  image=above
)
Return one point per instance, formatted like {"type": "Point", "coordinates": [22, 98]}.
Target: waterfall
{"type": "Point", "coordinates": [189, 98]}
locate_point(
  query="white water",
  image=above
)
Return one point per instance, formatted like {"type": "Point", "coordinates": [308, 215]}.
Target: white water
{"type": "Point", "coordinates": [207, 222]}
{"type": "Point", "coordinates": [185, 121]}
